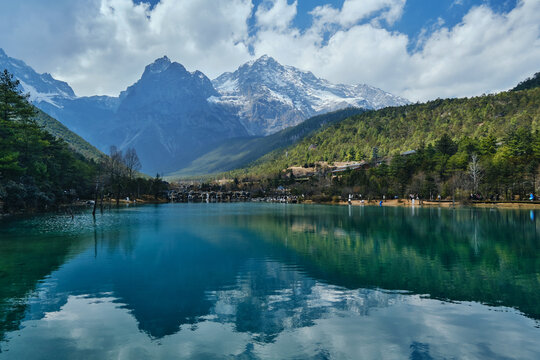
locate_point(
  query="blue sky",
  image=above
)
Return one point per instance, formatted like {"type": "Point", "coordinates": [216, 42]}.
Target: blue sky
{"type": "Point", "coordinates": [418, 15]}
{"type": "Point", "coordinates": [419, 49]}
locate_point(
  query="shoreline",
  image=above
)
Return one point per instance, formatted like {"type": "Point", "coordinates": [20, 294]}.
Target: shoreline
{"type": "Point", "coordinates": [65, 208]}
{"type": "Point", "coordinates": [443, 204]}
{"type": "Point", "coordinates": [522, 205]}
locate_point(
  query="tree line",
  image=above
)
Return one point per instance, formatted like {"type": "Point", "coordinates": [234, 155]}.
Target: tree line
{"type": "Point", "coordinates": [399, 129]}
{"type": "Point", "coordinates": [481, 148]}
{"type": "Point", "coordinates": [39, 171]}
{"type": "Point", "coordinates": [118, 178]}
{"type": "Point", "coordinates": [467, 169]}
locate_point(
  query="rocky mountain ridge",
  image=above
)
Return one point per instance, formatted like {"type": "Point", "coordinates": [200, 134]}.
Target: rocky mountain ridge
{"type": "Point", "coordinates": [171, 116]}
{"type": "Point", "coordinates": [269, 97]}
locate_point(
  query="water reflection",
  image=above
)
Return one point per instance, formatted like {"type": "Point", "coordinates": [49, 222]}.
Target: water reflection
{"type": "Point", "coordinates": [257, 281]}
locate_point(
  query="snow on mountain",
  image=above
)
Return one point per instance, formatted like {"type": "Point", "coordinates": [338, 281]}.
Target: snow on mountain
{"type": "Point", "coordinates": [171, 116]}
{"type": "Point", "coordinates": [43, 88]}
{"type": "Point", "coordinates": [268, 96]}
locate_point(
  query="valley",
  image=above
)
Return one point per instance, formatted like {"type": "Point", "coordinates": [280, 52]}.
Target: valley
{"type": "Point", "coordinates": [270, 126]}
{"type": "Point", "coordinates": [172, 116]}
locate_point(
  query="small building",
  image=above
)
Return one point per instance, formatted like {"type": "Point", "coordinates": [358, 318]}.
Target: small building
{"type": "Point", "coordinates": [354, 166]}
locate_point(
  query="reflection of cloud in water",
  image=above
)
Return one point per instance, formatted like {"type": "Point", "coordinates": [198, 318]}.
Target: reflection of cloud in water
{"type": "Point", "coordinates": [186, 285]}
{"type": "Point", "coordinates": [288, 300]}
{"type": "Point", "coordinates": [93, 328]}
{"type": "Point", "coordinates": [275, 311]}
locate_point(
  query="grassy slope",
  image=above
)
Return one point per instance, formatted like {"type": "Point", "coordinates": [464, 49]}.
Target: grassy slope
{"type": "Point", "coordinates": [235, 153]}
{"type": "Point", "coordinates": [399, 129]}
{"type": "Point", "coordinates": [57, 129]}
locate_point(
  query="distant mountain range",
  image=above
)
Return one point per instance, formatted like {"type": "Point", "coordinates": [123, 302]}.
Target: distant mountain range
{"type": "Point", "coordinates": [239, 152]}
{"type": "Point", "coordinates": [172, 116]}
{"type": "Point", "coordinates": [268, 97]}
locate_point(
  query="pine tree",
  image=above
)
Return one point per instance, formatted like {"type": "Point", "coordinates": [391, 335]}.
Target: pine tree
{"type": "Point", "coordinates": [13, 104]}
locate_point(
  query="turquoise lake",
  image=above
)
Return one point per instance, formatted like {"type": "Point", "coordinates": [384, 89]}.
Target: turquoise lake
{"type": "Point", "coordinates": [271, 281]}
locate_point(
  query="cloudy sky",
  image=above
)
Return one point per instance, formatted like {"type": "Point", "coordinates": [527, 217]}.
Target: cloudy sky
{"type": "Point", "coordinates": [420, 49]}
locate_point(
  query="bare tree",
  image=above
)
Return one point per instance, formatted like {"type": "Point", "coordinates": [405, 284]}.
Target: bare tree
{"type": "Point", "coordinates": [417, 184]}
{"type": "Point", "coordinates": [100, 183]}
{"type": "Point", "coordinates": [116, 171]}
{"type": "Point", "coordinates": [132, 162]}
{"type": "Point", "coordinates": [476, 172]}
{"type": "Point", "coordinates": [456, 182]}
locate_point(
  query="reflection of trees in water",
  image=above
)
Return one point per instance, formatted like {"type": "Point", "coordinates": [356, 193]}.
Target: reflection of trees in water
{"type": "Point", "coordinates": [464, 254]}
{"type": "Point", "coordinates": [25, 262]}
{"type": "Point", "coordinates": [169, 279]}
{"type": "Point", "coordinates": [33, 248]}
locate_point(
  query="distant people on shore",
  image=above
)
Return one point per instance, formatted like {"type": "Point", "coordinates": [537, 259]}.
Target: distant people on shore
{"type": "Point", "coordinates": [476, 197]}
{"type": "Point", "coordinates": [416, 200]}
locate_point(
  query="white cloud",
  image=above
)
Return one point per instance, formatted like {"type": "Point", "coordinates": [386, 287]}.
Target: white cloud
{"type": "Point", "coordinates": [354, 11]}
{"type": "Point", "coordinates": [102, 46]}
{"type": "Point", "coordinates": [276, 15]}
{"type": "Point", "coordinates": [486, 52]}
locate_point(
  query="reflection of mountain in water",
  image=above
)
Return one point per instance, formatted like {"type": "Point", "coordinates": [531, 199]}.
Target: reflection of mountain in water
{"type": "Point", "coordinates": [292, 317]}
{"type": "Point", "coordinates": [270, 298]}
{"type": "Point", "coordinates": [162, 286]}
{"type": "Point", "coordinates": [272, 269]}
{"type": "Point", "coordinates": [188, 277]}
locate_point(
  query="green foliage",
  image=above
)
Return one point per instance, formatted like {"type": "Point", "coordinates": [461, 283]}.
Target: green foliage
{"type": "Point", "coordinates": [37, 169]}
{"type": "Point", "coordinates": [235, 153]}
{"type": "Point", "coordinates": [508, 170]}
{"type": "Point", "coordinates": [74, 141]}
{"type": "Point", "coordinates": [436, 127]}
{"type": "Point", "coordinates": [530, 83]}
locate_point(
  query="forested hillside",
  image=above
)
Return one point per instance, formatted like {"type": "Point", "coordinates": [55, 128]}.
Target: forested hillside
{"type": "Point", "coordinates": [40, 170]}
{"type": "Point", "coordinates": [399, 129]}
{"type": "Point", "coordinates": [37, 170]}
{"type": "Point", "coordinates": [58, 130]}
{"type": "Point", "coordinates": [488, 146]}
{"type": "Point", "coordinates": [530, 83]}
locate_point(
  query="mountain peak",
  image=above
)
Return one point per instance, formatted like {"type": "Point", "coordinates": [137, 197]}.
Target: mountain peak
{"type": "Point", "coordinates": [159, 65]}
{"type": "Point", "coordinates": [269, 96]}
{"type": "Point", "coordinates": [265, 57]}
{"type": "Point", "coordinates": [164, 58]}
{"type": "Point", "coordinates": [43, 88]}
{"type": "Point", "coordinates": [264, 60]}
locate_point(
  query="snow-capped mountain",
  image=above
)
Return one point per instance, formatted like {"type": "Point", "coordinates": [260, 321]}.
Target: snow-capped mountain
{"type": "Point", "coordinates": [58, 99]}
{"type": "Point", "coordinates": [268, 96]}
{"type": "Point", "coordinates": [165, 115]}
{"type": "Point", "coordinates": [172, 116]}
{"type": "Point", "coordinates": [43, 88]}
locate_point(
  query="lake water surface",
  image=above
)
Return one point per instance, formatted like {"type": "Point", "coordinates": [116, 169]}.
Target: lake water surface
{"type": "Point", "coordinates": [257, 281]}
